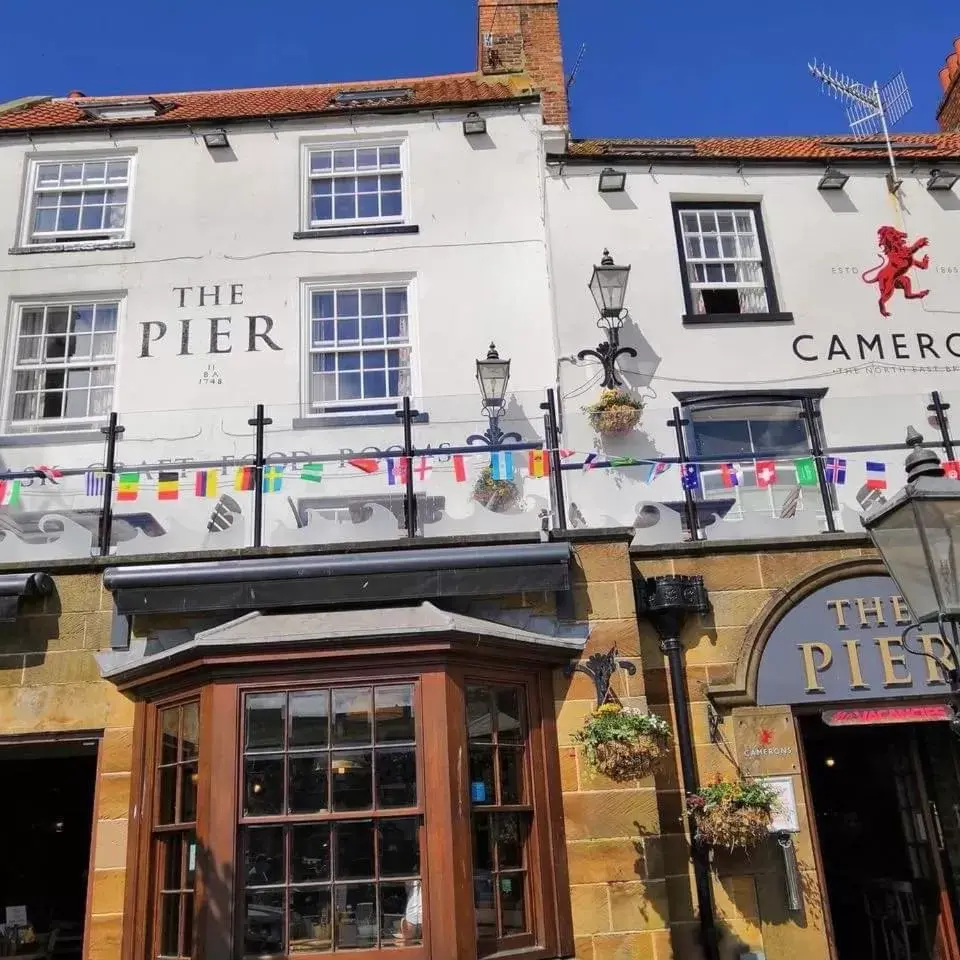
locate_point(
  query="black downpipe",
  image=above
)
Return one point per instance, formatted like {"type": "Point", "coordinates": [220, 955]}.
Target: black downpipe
{"type": "Point", "coordinates": [410, 497]}
{"type": "Point", "coordinates": [258, 422]}
{"type": "Point", "coordinates": [939, 409]}
{"type": "Point", "coordinates": [816, 446]}
{"type": "Point", "coordinates": [553, 446]}
{"type": "Point", "coordinates": [693, 520]}
{"type": "Point", "coordinates": [112, 431]}
{"type": "Point", "coordinates": [688, 767]}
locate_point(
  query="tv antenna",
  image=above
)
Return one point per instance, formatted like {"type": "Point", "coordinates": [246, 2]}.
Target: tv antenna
{"type": "Point", "coordinates": [871, 109]}
{"type": "Point", "coordinates": [576, 67]}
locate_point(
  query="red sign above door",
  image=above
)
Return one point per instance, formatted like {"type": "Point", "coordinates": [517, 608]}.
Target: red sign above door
{"type": "Point", "coordinates": [862, 716]}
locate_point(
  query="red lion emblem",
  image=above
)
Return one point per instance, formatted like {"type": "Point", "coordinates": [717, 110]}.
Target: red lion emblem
{"type": "Point", "coordinates": [896, 260]}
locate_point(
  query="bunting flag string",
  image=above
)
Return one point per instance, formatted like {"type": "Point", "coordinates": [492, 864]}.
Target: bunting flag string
{"type": "Point", "coordinates": [9, 493]}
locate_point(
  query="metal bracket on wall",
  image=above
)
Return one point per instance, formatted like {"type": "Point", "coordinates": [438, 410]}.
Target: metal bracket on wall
{"type": "Point", "coordinates": [714, 722]}
{"type": "Point", "coordinates": [599, 667]}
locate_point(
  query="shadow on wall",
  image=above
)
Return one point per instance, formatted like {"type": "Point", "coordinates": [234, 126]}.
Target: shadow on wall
{"type": "Point", "coordinates": [25, 642]}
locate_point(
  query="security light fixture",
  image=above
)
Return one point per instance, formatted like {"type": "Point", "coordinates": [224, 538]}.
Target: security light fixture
{"type": "Point", "coordinates": [942, 179]}
{"type": "Point", "coordinates": [611, 181]}
{"type": "Point", "coordinates": [833, 179]}
{"type": "Point", "coordinates": [216, 140]}
{"type": "Point", "coordinates": [474, 124]}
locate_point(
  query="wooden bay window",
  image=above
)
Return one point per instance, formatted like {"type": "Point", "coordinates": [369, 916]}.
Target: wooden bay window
{"type": "Point", "coordinates": [309, 807]}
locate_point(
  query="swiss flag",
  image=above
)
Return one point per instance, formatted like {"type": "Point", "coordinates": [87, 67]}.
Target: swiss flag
{"type": "Point", "coordinates": [766, 473]}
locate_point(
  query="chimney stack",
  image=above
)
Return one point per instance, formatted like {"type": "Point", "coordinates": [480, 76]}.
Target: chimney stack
{"type": "Point", "coordinates": [948, 113]}
{"type": "Point", "coordinates": [523, 36]}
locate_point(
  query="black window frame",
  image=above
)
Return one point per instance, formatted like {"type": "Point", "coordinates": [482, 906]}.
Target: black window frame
{"type": "Point", "coordinates": [773, 314]}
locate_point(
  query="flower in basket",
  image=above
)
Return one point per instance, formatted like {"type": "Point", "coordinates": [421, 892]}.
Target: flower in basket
{"type": "Point", "coordinates": [496, 495]}
{"type": "Point", "coordinates": [615, 412]}
{"type": "Point", "coordinates": [622, 743]}
{"type": "Point", "coordinates": [732, 813]}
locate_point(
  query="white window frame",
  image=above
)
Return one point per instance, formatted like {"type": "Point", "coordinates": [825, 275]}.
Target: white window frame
{"type": "Point", "coordinates": [763, 288]}
{"type": "Point", "coordinates": [55, 425]}
{"type": "Point", "coordinates": [362, 407]}
{"type": "Point", "coordinates": [314, 146]}
{"type": "Point", "coordinates": [74, 238]}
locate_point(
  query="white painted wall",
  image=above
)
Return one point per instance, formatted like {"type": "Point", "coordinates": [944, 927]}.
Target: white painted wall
{"type": "Point", "coordinates": [204, 218]}
{"type": "Point", "coordinates": [819, 243]}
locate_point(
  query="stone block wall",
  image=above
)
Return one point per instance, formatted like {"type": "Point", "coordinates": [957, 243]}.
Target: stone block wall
{"type": "Point", "coordinates": [49, 683]}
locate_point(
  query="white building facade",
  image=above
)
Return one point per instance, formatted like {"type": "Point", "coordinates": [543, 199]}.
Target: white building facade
{"type": "Point", "coordinates": [754, 306]}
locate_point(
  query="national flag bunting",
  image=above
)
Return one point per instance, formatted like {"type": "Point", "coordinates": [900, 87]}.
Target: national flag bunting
{"type": "Point", "coordinates": [766, 472]}
{"type": "Point", "coordinates": [9, 493]}
{"type": "Point", "coordinates": [48, 473]}
{"type": "Point", "coordinates": [656, 469]}
{"type": "Point", "coordinates": [589, 460]}
{"type": "Point", "coordinates": [459, 468]}
{"type": "Point", "coordinates": [876, 475]}
{"type": "Point", "coordinates": [396, 470]}
{"type": "Point", "coordinates": [806, 468]}
{"type": "Point", "coordinates": [273, 478]}
{"type": "Point", "coordinates": [205, 483]}
{"type": "Point", "coordinates": [835, 470]}
{"type": "Point", "coordinates": [312, 472]}
{"type": "Point", "coordinates": [951, 469]}
{"type": "Point", "coordinates": [128, 486]}
{"type": "Point", "coordinates": [501, 465]}
{"type": "Point", "coordinates": [168, 485]}
{"type": "Point", "coordinates": [245, 478]}
{"type": "Point", "coordinates": [623, 461]}
{"type": "Point", "coordinates": [730, 474]}
{"type": "Point", "coordinates": [95, 483]}
{"type": "Point", "coordinates": [690, 476]}
{"type": "Point", "coordinates": [538, 463]}
{"type": "Point", "coordinates": [566, 454]}
{"type": "Point", "coordinates": [366, 464]}
{"type": "Point", "coordinates": [423, 469]}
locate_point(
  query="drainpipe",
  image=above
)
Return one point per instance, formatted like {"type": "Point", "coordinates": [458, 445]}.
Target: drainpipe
{"type": "Point", "coordinates": [667, 602]}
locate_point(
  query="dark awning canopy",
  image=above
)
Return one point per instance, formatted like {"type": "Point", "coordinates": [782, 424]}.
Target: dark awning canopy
{"type": "Point", "coordinates": [15, 586]}
{"type": "Point", "coordinates": [272, 582]}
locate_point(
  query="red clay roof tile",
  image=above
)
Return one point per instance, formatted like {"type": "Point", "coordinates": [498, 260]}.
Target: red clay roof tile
{"type": "Point", "coordinates": [224, 105]}
{"type": "Point", "coordinates": [926, 146]}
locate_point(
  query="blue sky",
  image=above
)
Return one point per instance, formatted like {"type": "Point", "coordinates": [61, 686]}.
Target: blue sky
{"type": "Point", "coordinates": [650, 69]}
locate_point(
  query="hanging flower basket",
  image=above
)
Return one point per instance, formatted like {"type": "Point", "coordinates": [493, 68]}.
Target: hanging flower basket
{"type": "Point", "coordinates": [616, 412]}
{"type": "Point", "coordinates": [496, 495]}
{"type": "Point", "coordinates": [732, 814]}
{"type": "Point", "coordinates": [624, 744]}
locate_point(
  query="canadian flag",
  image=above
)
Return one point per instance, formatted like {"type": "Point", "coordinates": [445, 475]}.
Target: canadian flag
{"type": "Point", "coordinates": [766, 473]}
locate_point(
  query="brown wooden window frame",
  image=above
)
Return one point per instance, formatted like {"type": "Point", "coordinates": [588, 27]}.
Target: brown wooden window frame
{"type": "Point", "coordinates": [443, 802]}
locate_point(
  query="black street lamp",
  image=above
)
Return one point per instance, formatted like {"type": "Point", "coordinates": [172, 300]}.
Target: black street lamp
{"type": "Point", "coordinates": [667, 602]}
{"type": "Point", "coordinates": [608, 285]}
{"type": "Point", "coordinates": [493, 375]}
{"type": "Point", "coordinates": [917, 534]}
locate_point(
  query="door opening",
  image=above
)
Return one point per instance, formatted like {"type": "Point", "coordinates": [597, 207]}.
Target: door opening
{"type": "Point", "coordinates": [881, 840]}
{"type": "Point", "coordinates": [46, 808]}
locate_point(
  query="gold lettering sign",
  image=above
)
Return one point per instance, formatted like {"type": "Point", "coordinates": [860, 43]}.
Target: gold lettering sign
{"type": "Point", "coordinates": [853, 659]}
{"type": "Point", "coordinates": [811, 668]}
{"type": "Point", "coordinates": [893, 660]}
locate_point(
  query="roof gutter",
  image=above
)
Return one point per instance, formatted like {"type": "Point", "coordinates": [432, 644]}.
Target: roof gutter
{"type": "Point", "coordinates": [645, 160]}
{"type": "Point", "coordinates": [15, 587]}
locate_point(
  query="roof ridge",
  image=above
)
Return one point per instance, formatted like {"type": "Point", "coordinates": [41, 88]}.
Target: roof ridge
{"type": "Point", "coordinates": [467, 75]}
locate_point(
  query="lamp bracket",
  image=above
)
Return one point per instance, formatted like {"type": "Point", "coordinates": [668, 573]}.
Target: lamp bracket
{"type": "Point", "coordinates": [599, 667]}
{"type": "Point", "coordinates": [493, 436]}
{"type": "Point", "coordinates": [608, 353]}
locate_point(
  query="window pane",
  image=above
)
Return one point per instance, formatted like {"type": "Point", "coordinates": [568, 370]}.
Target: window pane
{"type": "Point", "coordinates": [266, 714]}
{"type": "Point", "coordinates": [354, 850]}
{"type": "Point", "coordinates": [168, 794]}
{"type": "Point", "coordinates": [394, 714]}
{"type": "Point", "coordinates": [479, 714]}
{"type": "Point", "coordinates": [263, 922]}
{"type": "Point", "coordinates": [343, 160]}
{"type": "Point", "coordinates": [513, 914]}
{"type": "Point", "coordinates": [188, 925]}
{"type": "Point", "coordinates": [356, 911]}
{"type": "Point", "coordinates": [309, 719]}
{"type": "Point", "coordinates": [401, 913]}
{"type": "Point", "coordinates": [485, 905]}
{"type": "Point", "coordinates": [366, 158]}
{"type": "Point", "coordinates": [263, 786]}
{"type": "Point", "coordinates": [170, 924]}
{"type": "Point", "coordinates": [509, 716]}
{"type": "Point", "coordinates": [171, 848]}
{"type": "Point", "coordinates": [191, 730]}
{"type": "Point", "coordinates": [188, 792]}
{"type": "Point", "coordinates": [511, 774]}
{"type": "Point", "coordinates": [117, 170]}
{"type": "Point", "coordinates": [348, 303]}
{"type": "Point", "coordinates": [368, 206]}
{"type": "Point", "coordinates": [310, 853]}
{"type": "Point", "coordinates": [396, 777]}
{"type": "Point", "coordinates": [725, 222]}
{"type": "Point", "coordinates": [391, 204]}
{"type": "Point", "coordinates": [510, 839]}
{"type": "Point", "coordinates": [308, 784]}
{"type": "Point", "coordinates": [399, 847]}
{"type": "Point", "coordinates": [482, 842]}
{"type": "Point", "coordinates": [311, 929]}
{"type": "Point", "coordinates": [389, 156]}
{"type": "Point", "coordinates": [352, 780]}
{"type": "Point", "coordinates": [320, 160]}
{"type": "Point", "coordinates": [169, 735]}
{"type": "Point", "coordinates": [322, 304]}
{"type": "Point", "coordinates": [263, 856]}
{"type": "Point", "coordinates": [352, 715]}
{"type": "Point", "coordinates": [481, 775]}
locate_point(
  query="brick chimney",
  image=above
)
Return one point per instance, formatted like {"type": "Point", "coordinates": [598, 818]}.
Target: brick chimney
{"type": "Point", "coordinates": [523, 36]}
{"type": "Point", "coordinates": [948, 113]}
